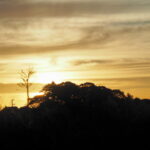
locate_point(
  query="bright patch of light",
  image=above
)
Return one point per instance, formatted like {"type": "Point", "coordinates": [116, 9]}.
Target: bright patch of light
{"type": "Point", "coordinates": [36, 94]}
{"type": "Point", "coordinates": [56, 77]}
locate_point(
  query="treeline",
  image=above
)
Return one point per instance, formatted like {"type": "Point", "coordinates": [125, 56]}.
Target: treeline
{"type": "Point", "coordinates": [69, 114]}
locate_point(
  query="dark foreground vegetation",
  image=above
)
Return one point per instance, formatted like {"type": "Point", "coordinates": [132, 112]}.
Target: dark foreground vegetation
{"type": "Point", "coordinates": [75, 116]}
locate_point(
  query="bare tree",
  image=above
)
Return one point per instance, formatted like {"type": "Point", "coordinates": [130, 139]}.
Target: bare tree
{"type": "Point", "coordinates": [25, 76]}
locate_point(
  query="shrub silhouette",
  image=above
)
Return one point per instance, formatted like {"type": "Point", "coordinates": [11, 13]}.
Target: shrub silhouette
{"type": "Point", "coordinates": [75, 114]}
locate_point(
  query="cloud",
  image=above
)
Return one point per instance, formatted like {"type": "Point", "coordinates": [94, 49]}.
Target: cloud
{"type": "Point", "coordinates": [20, 9]}
{"type": "Point", "coordinates": [95, 38]}
{"type": "Point", "coordinates": [14, 88]}
{"type": "Point", "coordinates": [89, 62]}
{"type": "Point", "coordinates": [139, 65]}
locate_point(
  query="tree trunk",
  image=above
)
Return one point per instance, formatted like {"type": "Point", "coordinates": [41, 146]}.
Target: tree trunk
{"type": "Point", "coordinates": [28, 98]}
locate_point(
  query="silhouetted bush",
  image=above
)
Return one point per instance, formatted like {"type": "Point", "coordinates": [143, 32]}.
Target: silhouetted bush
{"type": "Point", "coordinates": [73, 114]}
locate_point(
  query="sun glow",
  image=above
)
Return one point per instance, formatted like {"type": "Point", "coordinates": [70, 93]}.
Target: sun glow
{"type": "Point", "coordinates": [57, 77]}
{"type": "Point", "coordinates": [36, 94]}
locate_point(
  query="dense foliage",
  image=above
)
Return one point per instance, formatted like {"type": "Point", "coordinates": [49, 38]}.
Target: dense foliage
{"type": "Point", "coordinates": [71, 114]}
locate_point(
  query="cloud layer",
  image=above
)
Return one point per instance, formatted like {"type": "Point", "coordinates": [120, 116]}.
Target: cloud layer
{"type": "Point", "coordinates": [17, 8]}
{"type": "Point", "coordinates": [81, 39]}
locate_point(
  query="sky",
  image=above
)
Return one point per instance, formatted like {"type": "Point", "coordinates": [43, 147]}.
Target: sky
{"type": "Point", "coordinates": [101, 41]}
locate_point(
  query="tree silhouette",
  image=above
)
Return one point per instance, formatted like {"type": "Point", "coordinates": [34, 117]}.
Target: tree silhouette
{"type": "Point", "coordinates": [64, 91]}
{"type": "Point", "coordinates": [76, 114]}
{"type": "Point", "coordinates": [25, 76]}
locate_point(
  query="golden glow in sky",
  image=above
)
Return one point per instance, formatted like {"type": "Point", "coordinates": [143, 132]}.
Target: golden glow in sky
{"type": "Point", "coordinates": [57, 77]}
{"type": "Point", "coordinates": [85, 40]}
